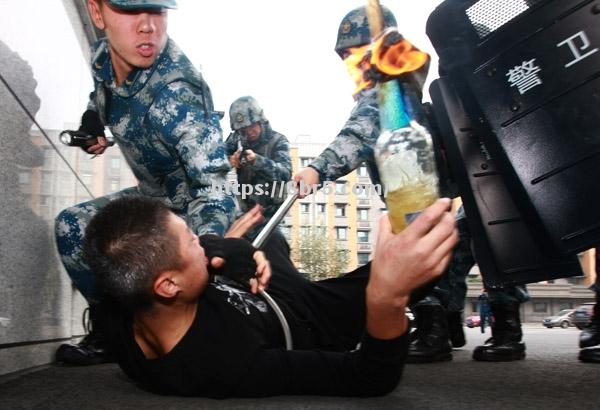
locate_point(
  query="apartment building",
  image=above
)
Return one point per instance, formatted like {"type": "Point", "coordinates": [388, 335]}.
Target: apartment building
{"type": "Point", "coordinates": [347, 210]}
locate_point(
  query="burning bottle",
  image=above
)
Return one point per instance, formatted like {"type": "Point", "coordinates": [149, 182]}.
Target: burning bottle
{"type": "Point", "coordinates": [404, 150]}
{"type": "Point", "coordinates": [404, 157]}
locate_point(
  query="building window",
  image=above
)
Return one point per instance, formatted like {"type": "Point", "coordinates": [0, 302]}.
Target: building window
{"type": "Point", "coordinates": [540, 307]}
{"type": "Point", "coordinates": [566, 305]}
{"type": "Point", "coordinates": [340, 209]}
{"type": "Point", "coordinates": [45, 200]}
{"type": "Point", "coordinates": [363, 214]}
{"type": "Point", "coordinates": [48, 157]}
{"type": "Point", "coordinates": [363, 191]}
{"type": "Point", "coordinates": [305, 161]}
{"type": "Point", "coordinates": [341, 233]}
{"type": "Point", "coordinates": [113, 185]}
{"type": "Point", "coordinates": [86, 177]}
{"type": "Point", "coordinates": [24, 178]}
{"type": "Point", "coordinates": [304, 208]}
{"type": "Point", "coordinates": [321, 208]}
{"type": "Point", "coordinates": [340, 188]}
{"type": "Point", "coordinates": [363, 236]}
{"type": "Point", "coordinates": [362, 171]}
{"type": "Point", "coordinates": [363, 258]}
{"type": "Point", "coordinates": [286, 231]}
{"type": "Point", "coordinates": [304, 231]}
{"type": "Point", "coordinates": [115, 163]}
{"type": "Point", "coordinates": [46, 187]}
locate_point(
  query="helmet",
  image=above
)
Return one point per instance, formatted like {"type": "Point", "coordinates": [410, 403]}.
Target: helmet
{"type": "Point", "coordinates": [244, 112]}
{"type": "Point", "coordinates": [354, 28]}
{"type": "Point", "coordinates": [143, 4]}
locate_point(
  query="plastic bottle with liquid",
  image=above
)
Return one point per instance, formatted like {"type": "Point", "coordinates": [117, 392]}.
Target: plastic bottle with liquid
{"type": "Point", "coordinates": [405, 158]}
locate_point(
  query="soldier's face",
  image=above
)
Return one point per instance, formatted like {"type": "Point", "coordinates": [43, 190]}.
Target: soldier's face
{"type": "Point", "coordinates": [136, 37]}
{"type": "Point", "coordinates": [252, 132]}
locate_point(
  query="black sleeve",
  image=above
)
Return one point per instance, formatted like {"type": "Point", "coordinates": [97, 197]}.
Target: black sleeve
{"type": "Point", "coordinates": [372, 370]}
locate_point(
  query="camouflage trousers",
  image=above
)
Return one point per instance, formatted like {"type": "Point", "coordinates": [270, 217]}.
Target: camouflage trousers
{"type": "Point", "coordinates": [70, 227]}
{"type": "Point", "coordinates": [452, 287]}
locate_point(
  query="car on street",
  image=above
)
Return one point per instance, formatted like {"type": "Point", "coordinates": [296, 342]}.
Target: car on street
{"type": "Point", "coordinates": [472, 321]}
{"type": "Point", "coordinates": [582, 314]}
{"type": "Point", "coordinates": [562, 319]}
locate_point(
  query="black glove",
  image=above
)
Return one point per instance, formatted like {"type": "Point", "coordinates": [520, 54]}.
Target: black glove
{"type": "Point", "coordinates": [238, 255]}
{"type": "Point", "coordinates": [92, 126]}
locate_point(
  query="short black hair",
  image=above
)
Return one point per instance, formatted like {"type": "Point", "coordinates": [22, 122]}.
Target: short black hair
{"type": "Point", "coordinates": [127, 244]}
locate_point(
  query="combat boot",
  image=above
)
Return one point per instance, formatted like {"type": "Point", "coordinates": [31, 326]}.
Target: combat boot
{"type": "Point", "coordinates": [455, 329]}
{"type": "Point", "coordinates": [590, 335]}
{"type": "Point", "coordinates": [505, 345]}
{"type": "Point", "coordinates": [590, 355]}
{"type": "Point", "coordinates": [430, 343]}
{"type": "Point", "coordinates": [93, 348]}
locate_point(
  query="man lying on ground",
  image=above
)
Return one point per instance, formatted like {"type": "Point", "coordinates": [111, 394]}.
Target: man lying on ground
{"type": "Point", "coordinates": [181, 328]}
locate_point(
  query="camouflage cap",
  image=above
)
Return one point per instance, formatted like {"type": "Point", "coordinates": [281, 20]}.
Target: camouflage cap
{"type": "Point", "coordinates": [143, 4]}
{"type": "Point", "coordinates": [354, 29]}
{"type": "Point", "coordinates": [244, 112]}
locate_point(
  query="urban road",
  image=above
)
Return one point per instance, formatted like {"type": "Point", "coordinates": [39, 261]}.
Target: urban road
{"type": "Point", "coordinates": [550, 377]}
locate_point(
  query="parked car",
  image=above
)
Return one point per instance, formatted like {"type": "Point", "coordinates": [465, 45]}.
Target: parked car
{"type": "Point", "coordinates": [472, 321]}
{"type": "Point", "coordinates": [562, 319]}
{"type": "Point", "coordinates": [582, 314]}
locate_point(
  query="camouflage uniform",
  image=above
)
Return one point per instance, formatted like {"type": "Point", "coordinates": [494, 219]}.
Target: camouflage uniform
{"type": "Point", "coordinates": [162, 117]}
{"type": "Point", "coordinates": [271, 170]}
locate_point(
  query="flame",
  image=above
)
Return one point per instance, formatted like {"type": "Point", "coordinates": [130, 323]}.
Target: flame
{"type": "Point", "coordinates": [380, 59]}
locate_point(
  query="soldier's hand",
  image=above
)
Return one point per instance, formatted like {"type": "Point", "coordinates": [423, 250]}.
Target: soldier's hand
{"type": "Point", "coordinates": [234, 160]}
{"type": "Point", "coordinates": [246, 222]}
{"type": "Point", "coordinates": [99, 147]}
{"type": "Point", "coordinates": [250, 156]}
{"type": "Point", "coordinates": [308, 176]}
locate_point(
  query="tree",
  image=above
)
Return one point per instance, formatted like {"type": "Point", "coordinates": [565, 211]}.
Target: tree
{"type": "Point", "coordinates": [318, 256]}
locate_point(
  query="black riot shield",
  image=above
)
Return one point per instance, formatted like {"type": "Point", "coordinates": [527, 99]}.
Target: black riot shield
{"type": "Point", "coordinates": [530, 76]}
{"type": "Point", "coordinates": [503, 245]}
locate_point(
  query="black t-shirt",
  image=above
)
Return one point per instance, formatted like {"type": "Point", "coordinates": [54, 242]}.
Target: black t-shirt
{"type": "Point", "coordinates": [235, 346]}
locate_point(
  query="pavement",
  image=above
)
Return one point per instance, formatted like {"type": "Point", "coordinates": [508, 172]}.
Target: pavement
{"type": "Point", "coordinates": [550, 378]}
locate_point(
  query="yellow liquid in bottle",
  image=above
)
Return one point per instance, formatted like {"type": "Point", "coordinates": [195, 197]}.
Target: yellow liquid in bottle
{"type": "Point", "coordinates": [404, 203]}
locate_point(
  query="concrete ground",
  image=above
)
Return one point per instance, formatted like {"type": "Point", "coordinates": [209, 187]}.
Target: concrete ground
{"type": "Point", "coordinates": [550, 378]}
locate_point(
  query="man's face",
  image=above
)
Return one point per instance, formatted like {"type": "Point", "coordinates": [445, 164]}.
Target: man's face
{"type": "Point", "coordinates": [136, 37]}
{"type": "Point", "coordinates": [193, 261]}
{"type": "Point", "coordinates": [252, 132]}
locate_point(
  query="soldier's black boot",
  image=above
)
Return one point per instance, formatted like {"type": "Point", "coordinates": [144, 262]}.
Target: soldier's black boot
{"type": "Point", "coordinates": [430, 343]}
{"type": "Point", "coordinates": [590, 335]}
{"type": "Point", "coordinates": [93, 347]}
{"type": "Point", "coordinates": [455, 329]}
{"type": "Point", "coordinates": [589, 338]}
{"type": "Point", "coordinates": [505, 345]}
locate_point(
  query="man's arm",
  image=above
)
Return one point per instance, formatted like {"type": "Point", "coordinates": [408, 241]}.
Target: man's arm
{"type": "Point", "coordinates": [372, 370]}
{"type": "Point", "coordinates": [179, 117]}
{"type": "Point", "coordinates": [354, 143]}
{"type": "Point", "coordinates": [401, 264]}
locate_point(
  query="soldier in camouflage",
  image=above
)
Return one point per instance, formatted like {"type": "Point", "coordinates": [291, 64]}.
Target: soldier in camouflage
{"type": "Point", "coordinates": [353, 146]}
{"type": "Point", "coordinates": [261, 157]}
{"type": "Point", "coordinates": [160, 112]}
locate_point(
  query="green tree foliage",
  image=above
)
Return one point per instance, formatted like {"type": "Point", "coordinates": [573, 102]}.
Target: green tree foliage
{"type": "Point", "coordinates": [320, 257]}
